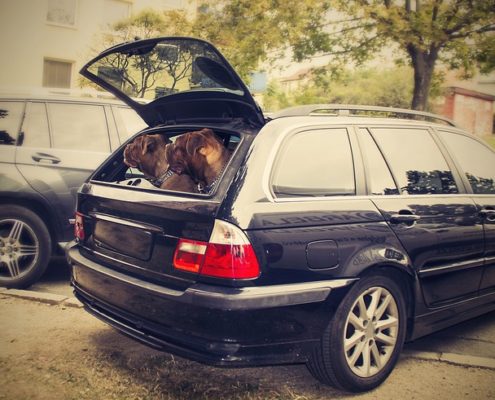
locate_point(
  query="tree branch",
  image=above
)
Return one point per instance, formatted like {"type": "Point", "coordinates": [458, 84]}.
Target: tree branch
{"type": "Point", "coordinates": [350, 49]}
{"type": "Point", "coordinates": [352, 28]}
{"type": "Point", "coordinates": [483, 29]}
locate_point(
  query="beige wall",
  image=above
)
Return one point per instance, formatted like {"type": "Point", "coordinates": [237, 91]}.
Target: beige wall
{"type": "Point", "coordinates": [27, 39]}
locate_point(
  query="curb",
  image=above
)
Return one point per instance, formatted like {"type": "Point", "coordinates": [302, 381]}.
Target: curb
{"type": "Point", "coordinates": [41, 297]}
{"type": "Point", "coordinates": [451, 358]}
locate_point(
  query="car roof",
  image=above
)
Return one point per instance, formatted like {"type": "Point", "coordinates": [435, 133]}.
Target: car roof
{"type": "Point", "coordinates": [86, 96]}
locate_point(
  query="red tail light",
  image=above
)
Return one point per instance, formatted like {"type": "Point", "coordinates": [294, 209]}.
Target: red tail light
{"type": "Point", "coordinates": [228, 254]}
{"type": "Point", "coordinates": [79, 226]}
{"type": "Point", "coordinates": [189, 255]}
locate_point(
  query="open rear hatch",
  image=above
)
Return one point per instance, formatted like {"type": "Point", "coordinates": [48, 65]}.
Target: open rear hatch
{"type": "Point", "coordinates": [174, 80]}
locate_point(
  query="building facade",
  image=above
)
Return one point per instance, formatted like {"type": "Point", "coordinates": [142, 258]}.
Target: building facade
{"type": "Point", "coordinates": [470, 109]}
{"type": "Point", "coordinates": [46, 42]}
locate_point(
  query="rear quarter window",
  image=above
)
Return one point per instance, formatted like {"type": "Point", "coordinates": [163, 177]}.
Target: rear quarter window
{"type": "Point", "coordinates": [315, 163]}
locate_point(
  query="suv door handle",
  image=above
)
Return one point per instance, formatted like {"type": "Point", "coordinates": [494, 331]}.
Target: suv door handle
{"type": "Point", "coordinates": [488, 214]}
{"type": "Point", "coordinates": [404, 216]}
{"type": "Point", "coordinates": [45, 158]}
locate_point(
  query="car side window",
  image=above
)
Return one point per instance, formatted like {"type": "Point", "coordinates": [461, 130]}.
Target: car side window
{"type": "Point", "coordinates": [315, 163]}
{"type": "Point", "coordinates": [79, 127]}
{"type": "Point", "coordinates": [379, 178]}
{"type": "Point", "coordinates": [35, 131]}
{"type": "Point", "coordinates": [416, 162]}
{"type": "Point", "coordinates": [10, 119]}
{"type": "Point", "coordinates": [476, 160]}
{"type": "Point", "coordinates": [128, 122]}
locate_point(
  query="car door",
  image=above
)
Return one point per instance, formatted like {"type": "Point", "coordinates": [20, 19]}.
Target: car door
{"type": "Point", "coordinates": [61, 144]}
{"type": "Point", "coordinates": [477, 161]}
{"type": "Point", "coordinates": [437, 223]}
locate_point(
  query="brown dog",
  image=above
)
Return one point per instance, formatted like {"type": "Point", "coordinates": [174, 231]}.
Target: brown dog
{"type": "Point", "coordinates": [206, 156]}
{"type": "Point", "coordinates": [148, 153]}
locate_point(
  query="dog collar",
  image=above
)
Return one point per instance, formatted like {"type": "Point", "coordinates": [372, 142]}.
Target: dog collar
{"type": "Point", "coordinates": [162, 178]}
{"type": "Point", "coordinates": [209, 188]}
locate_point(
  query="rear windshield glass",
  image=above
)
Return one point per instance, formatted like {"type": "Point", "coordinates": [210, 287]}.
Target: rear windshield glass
{"type": "Point", "coordinates": [158, 69]}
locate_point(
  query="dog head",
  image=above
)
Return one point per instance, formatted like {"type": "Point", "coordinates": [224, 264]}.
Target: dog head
{"type": "Point", "coordinates": [178, 159]}
{"type": "Point", "coordinates": [204, 152]}
{"type": "Point", "coordinates": [148, 154]}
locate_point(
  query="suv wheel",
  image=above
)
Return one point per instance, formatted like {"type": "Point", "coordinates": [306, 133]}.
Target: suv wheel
{"type": "Point", "coordinates": [362, 342]}
{"type": "Point", "coordinates": [25, 247]}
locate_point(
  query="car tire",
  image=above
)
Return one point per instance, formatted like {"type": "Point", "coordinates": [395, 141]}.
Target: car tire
{"type": "Point", "coordinates": [364, 338]}
{"type": "Point", "coordinates": [25, 247]}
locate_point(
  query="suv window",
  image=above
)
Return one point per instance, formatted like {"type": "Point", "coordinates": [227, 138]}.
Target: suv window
{"type": "Point", "coordinates": [128, 122]}
{"type": "Point", "coordinates": [79, 127]}
{"type": "Point", "coordinates": [35, 131]}
{"type": "Point", "coordinates": [416, 162]}
{"type": "Point", "coordinates": [475, 159]}
{"type": "Point", "coordinates": [315, 163]}
{"type": "Point", "coordinates": [379, 178]}
{"type": "Point", "coordinates": [10, 119]}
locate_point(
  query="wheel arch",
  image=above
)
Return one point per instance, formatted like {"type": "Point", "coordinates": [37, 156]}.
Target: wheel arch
{"type": "Point", "coordinates": [41, 209]}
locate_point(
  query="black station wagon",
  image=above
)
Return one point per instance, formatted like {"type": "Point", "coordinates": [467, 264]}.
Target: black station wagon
{"type": "Point", "coordinates": [332, 236]}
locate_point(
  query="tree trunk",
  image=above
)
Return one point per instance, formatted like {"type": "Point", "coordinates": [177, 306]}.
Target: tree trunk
{"type": "Point", "coordinates": [423, 62]}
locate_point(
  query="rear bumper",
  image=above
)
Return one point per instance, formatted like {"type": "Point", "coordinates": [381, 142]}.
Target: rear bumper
{"type": "Point", "coordinates": [211, 324]}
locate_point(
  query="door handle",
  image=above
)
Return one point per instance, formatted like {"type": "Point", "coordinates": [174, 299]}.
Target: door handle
{"type": "Point", "coordinates": [45, 158]}
{"type": "Point", "coordinates": [488, 214]}
{"type": "Point", "coordinates": [404, 217]}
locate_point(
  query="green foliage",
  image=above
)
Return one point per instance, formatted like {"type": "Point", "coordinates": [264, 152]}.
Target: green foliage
{"type": "Point", "coordinates": [380, 87]}
{"type": "Point", "coordinates": [457, 33]}
{"type": "Point", "coordinates": [249, 32]}
{"type": "Point", "coordinates": [275, 98]}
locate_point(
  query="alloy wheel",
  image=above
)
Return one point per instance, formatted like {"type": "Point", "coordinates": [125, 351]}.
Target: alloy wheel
{"type": "Point", "coordinates": [371, 331]}
{"type": "Point", "coordinates": [19, 248]}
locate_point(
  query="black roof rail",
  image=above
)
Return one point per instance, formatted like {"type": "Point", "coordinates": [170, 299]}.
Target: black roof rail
{"type": "Point", "coordinates": [359, 110]}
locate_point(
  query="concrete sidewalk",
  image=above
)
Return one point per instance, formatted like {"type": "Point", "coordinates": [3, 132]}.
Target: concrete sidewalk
{"type": "Point", "coordinates": [470, 344]}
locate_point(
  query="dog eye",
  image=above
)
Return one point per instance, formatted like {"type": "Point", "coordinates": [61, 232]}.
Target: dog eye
{"type": "Point", "coordinates": [150, 147]}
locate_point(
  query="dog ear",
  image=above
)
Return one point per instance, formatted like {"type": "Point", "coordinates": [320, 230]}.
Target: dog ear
{"type": "Point", "coordinates": [202, 141]}
{"type": "Point", "coordinates": [151, 142]}
{"type": "Point", "coordinates": [149, 145]}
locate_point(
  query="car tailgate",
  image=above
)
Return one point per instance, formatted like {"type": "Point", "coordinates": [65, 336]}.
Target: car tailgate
{"type": "Point", "coordinates": [137, 230]}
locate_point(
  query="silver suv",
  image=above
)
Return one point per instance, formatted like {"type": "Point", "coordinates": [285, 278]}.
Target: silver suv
{"type": "Point", "coordinates": [49, 144]}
